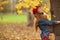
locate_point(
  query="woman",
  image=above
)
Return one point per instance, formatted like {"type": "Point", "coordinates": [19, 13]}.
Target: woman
{"type": "Point", "coordinates": [42, 22]}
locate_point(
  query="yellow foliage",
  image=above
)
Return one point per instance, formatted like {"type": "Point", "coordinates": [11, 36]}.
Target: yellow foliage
{"type": "Point", "coordinates": [18, 6]}
{"type": "Point", "coordinates": [27, 4]}
{"type": "Point", "coordinates": [46, 9]}
{"type": "Point", "coordinates": [3, 3]}
{"type": "Point", "coordinates": [35, 3]}
{"type": "Point", "coordinates": [19, 11]}
{"type": "Point", "coordinates": [27, 1]}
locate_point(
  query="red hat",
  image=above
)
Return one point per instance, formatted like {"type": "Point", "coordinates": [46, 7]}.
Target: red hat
{"type": "Point", "coordinates": [35, 9]}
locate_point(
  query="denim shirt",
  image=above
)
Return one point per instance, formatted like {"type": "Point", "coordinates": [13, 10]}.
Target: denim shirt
{"type": "Point", "coordinates": [42, 25]}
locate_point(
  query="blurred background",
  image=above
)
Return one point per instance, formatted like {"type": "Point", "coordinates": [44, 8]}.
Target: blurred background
{"type": "Point", "coordinates": [16, 19]}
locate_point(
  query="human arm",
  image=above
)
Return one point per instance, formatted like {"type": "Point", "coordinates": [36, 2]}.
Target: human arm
{"type": "Point", "coordinates": [58, 22]}
{"type": "Point", "coordinates": [48, 22]}
{"type": "Point", "coordinates": [52, 22]}
{"type": "Point", "coordinates": [35, 25]}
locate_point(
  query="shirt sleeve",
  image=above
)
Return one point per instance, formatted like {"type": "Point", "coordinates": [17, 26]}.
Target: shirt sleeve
{"type": "Point", "coordinates": [52, 22]}
{"type": "Point", "coordinates": [48, 22]}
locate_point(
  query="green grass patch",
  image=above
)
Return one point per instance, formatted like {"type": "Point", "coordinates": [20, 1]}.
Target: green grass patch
{"type": "Point", "coordinates": [13, 18]}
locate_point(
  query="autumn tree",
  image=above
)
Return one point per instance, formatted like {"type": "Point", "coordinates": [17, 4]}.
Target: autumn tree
{"type": "Point", "coordinates": [3, 4]}
{"type": "Point", "coordinates": [28, 5]}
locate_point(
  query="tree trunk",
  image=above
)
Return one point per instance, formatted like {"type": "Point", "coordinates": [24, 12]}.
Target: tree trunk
{"type": "Point", "coordinates": [55, 10]}
{"type": "Point", "coordinates": [30, 19]}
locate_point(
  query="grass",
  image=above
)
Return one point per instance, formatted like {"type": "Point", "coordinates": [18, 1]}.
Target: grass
{"type": "Point", "coordinates": [13, 18]}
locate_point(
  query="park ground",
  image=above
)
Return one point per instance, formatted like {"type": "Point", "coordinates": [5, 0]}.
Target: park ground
{"type": "Point", "coordinates": [14, 27]}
